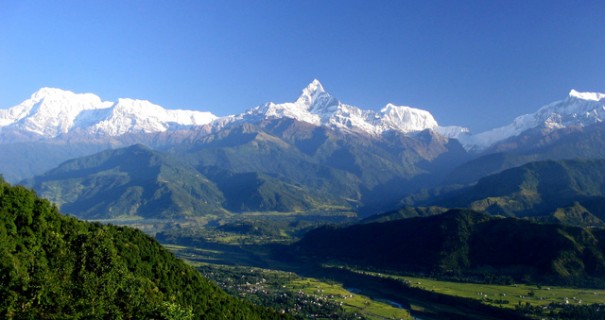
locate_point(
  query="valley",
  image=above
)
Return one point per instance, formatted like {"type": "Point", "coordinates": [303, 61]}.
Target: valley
{"type": "Point", "coordinates": [255, 266]}
{"type": "Point", "coordinates": [302, 160]}
{"type": "Point", "coordinates": [319, 209]}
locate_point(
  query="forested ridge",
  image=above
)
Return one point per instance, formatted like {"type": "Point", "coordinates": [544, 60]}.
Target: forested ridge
{"type": "Point", "coordinates": [57, 267]}
{"type": "Point", "coordinates": [465, 243]}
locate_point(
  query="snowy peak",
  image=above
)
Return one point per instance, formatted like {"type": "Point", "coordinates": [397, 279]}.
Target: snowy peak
{"type": "Point", "coordinates": [130, 115]}
{"type": "Point", "coordinates": [51, 112]}
{"type": "Point", "coordinates": [578, 109]}
{"type": "Point", "coordinates": [56, 94]}
{"type": "Point", "coordinates": [316, 106]}
{"type": "Point", "coordinates": [312, 93]}
{"type": "Point", "coordinates": [408, 119]}
{"type": "Point", "coordinates": [593, 96]}
{"type": "Point", "coordinates": [142, 116]}
{"type": "Point", "coordinates": [316, 100]}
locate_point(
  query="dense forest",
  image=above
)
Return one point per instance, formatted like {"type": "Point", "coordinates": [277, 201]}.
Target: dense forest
{"type": "Point", "coordinates": [465, 243]}
{"type": "Point", "coordinates": [53, 266]}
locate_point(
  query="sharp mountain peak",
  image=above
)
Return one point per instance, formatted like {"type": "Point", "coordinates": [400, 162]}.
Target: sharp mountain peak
{"type": "Point", "coordinates": [50, 112]}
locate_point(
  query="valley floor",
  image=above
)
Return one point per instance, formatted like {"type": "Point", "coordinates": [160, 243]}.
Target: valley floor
{"type": "Point", "coordinates": [246, 266]}
{"type": "Point", "coordinates": [326, 292]}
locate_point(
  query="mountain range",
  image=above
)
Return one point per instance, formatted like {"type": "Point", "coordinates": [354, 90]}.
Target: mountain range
{"type": "Point", "coordinates": [313, 154]}
{"type": "Point", "coordinates": [129, 181]}
{"type": "Point", "coordinates": [281, 165]}
{"type": "Point", "coordinates": [50, 113]}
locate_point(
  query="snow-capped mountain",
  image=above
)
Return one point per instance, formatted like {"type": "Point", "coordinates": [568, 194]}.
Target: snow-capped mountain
{"type": "Point", "coordinates": [51, 112]}
{"type": "Point", "coordinates": [578, 109]}
{"type": "Point", "coordinates": [128, 116]}
{"type": "Point", "coordinates": [318, 107]}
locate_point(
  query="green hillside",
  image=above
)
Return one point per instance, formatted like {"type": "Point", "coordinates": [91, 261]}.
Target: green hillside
{"type": "Point", "coordinates": [133, 181]}
{"type": "Point", "coordinates": [368, 173]}
{"type": "Point", "coordinates": [56, 267]}
{"type": "Point", "coordinates": [466, 244]}
{"type": "Point", "coordinates": [138, 181]}
{"type": "Point", "coordinates": [278, 165]}
{"type": "Point", "coordinates": [275, 164]}
{"type": "Point", "coordinates": [571, 191]}
{"type": "Point", "coordinates": [254, 191]}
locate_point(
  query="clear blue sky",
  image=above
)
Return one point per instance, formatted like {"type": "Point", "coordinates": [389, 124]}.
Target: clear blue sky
{"type": "Point", "coordinates": [472, 63]}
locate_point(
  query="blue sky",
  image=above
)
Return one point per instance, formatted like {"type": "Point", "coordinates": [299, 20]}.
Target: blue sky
{"type": "Point", "coordinates": [477, 64]}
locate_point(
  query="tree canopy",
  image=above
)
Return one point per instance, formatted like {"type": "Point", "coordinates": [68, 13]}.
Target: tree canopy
{"type": "Point", "coordinates": [53, 266]}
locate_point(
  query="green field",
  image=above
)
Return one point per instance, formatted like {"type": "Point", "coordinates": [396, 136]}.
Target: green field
{"type": "Point", "coordinates": [237, 262]}
{"type": "Point", "coordinates": [513, 294]}
{"type": "Point", "coordinates": [350, 301]}
{"type": "Point", "coordinates": [503, 296]}
{"type": "Point", "coordinates": [306, 297]}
